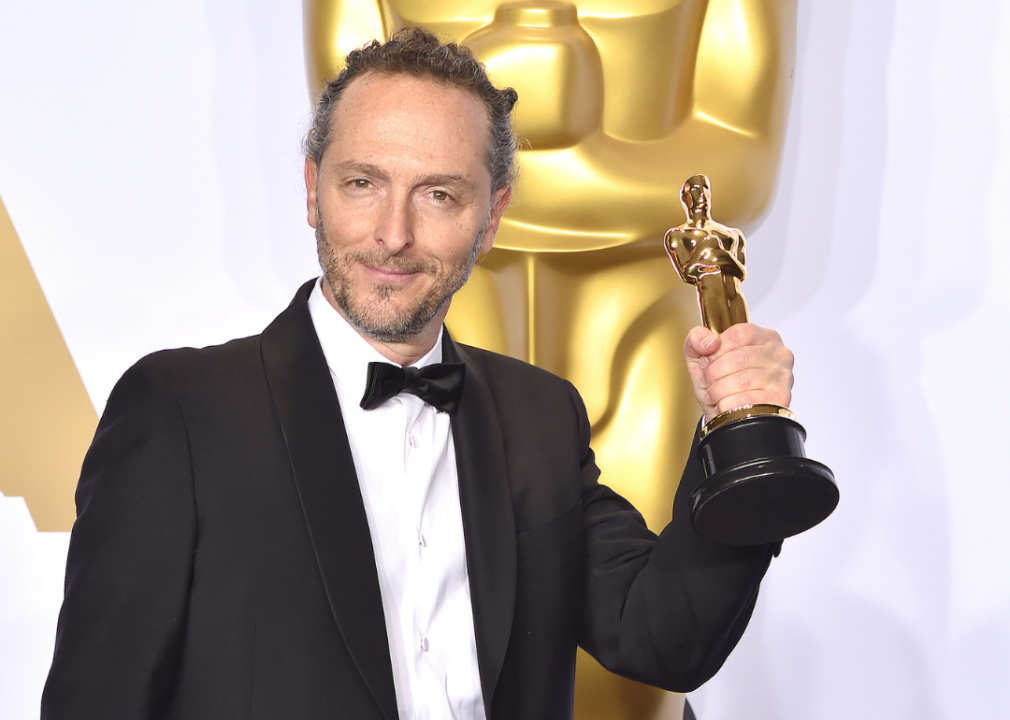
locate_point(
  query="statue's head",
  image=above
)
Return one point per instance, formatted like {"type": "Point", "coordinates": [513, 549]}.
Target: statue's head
{"type": "Point", "coordinates": [415, 51]}
{"type": "Point", "coordinates": [696, 196]}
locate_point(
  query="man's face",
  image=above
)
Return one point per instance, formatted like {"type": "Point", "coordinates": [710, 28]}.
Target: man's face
{"type": "Point", "coordinates": [402, 202]}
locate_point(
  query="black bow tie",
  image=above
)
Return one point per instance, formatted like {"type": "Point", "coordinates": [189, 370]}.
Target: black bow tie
{"type": "Point", "coordinates": [439, 385]}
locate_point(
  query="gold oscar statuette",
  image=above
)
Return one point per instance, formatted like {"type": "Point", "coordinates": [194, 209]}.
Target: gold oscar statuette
{"type": "Point", "coordinates": [759, 485]}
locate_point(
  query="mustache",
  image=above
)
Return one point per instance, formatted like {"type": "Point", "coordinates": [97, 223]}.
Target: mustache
{"type": "Point", "coordinates": [390, 263]}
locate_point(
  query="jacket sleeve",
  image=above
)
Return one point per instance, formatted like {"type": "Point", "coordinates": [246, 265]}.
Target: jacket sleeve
{"type": "Point", "coordinates": [663, 610]}
{"type": "Point", "coordinates": [130, 561]}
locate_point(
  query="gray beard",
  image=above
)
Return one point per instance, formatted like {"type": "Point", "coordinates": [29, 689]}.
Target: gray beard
{"type": "Point", "coordinates": [368, 319]}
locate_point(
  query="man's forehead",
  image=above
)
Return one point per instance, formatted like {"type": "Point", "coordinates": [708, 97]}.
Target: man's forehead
{"type": "Point", "coordinates": [405, 116]}
{"type": "Point", "coordinates": [374, 85]}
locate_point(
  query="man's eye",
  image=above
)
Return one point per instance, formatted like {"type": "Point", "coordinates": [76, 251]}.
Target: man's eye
{"type": "Point", "coordinates": [441, 195]}
{"type": "Point", "coordinates": [359, 183]}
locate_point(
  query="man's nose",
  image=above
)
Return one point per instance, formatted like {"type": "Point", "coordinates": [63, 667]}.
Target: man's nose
{"type": "Point", "coordinates": [395, 227]}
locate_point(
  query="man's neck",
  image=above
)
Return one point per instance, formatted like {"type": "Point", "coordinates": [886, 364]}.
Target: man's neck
{"type": "Point", "coordinates": [402, 353]}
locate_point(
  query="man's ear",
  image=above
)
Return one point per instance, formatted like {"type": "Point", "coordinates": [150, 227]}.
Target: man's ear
{"type": "Point", "coordinates": [498, 207]}
{"type": "Point", "coordinates": [311, 176]}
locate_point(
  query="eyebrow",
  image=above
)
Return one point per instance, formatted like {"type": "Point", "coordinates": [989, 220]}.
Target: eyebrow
{"type": "Point", "coordinates": [364, 168]}
{"type": "Point", "coordinates": [375, 171]}
{"type": "Point", "coordinates": [445, 179]}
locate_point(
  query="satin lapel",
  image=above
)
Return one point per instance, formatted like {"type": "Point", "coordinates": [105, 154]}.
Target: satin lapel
{"type": "Point", "coordinates": [321, 461]}
{"type": "Point", "coordinates": [488, 522]}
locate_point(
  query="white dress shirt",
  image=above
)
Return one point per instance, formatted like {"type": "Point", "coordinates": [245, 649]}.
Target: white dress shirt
{"type": "Point", "coordinates": [406, 465]}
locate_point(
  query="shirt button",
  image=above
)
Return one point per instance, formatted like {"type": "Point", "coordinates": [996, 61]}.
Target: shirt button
{"type": "Point", "coordinates": [412, 441]}
{"type": "Point", "coordinates": [420, 539]}
{"type": "Point", "coordinates": [424, 644]}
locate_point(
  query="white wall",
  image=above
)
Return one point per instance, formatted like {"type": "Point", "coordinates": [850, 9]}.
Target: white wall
{"type": "Point", "coordinates": [149, 160]}
{"type": "Point", "coordinates": [893, 211]}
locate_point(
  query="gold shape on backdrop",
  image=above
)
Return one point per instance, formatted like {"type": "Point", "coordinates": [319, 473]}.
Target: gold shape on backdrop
{"type": "Point", "coordinates": [46, 417]}
{"type": "Point", "coordinates": [618, 100]}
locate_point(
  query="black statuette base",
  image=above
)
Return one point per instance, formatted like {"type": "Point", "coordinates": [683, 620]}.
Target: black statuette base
{"type": "Point", "coordinates": [760, 487]}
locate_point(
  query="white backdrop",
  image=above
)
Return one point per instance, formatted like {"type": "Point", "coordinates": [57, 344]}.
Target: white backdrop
{"type": "Point", "coordinates": [149, 161]}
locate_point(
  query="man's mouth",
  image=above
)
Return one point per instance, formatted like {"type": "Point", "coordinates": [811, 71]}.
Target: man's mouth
{"type": "Point", "coordinates": [389, 276]}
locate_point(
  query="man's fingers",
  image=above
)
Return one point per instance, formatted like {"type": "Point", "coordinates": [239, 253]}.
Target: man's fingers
{"type": "Point", "coordinates": [741, 358]}
{"type": "Point", "coordinates": [750, 387]}
{"type": "Point", "coordinates": [746, 334]}
{"type": "Point", "coordinates": [750, 366]}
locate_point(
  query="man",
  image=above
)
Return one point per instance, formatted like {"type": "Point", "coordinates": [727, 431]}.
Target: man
{"type": "Point", "coordinates": [266, 530]}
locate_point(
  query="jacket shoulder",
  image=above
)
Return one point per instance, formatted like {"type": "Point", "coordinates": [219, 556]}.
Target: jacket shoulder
{"type": "Point", "coordinates": [502, 367]}
{"type": "Point", "coordinates": [512, 380]}
{"type": "Point", "coordinates": [181, 367]}
{"type": "Point", "coordinates": [530, 397]}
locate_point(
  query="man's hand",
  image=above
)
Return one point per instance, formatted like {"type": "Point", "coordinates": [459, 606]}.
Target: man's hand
{"type": "Point", "coordinates": [745, 365]}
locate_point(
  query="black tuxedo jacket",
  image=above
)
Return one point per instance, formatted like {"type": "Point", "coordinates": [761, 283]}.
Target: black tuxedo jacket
{"type": "Point", "coordinates": [221, 565]}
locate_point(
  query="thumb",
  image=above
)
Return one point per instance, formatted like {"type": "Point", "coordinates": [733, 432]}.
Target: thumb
{"type": "Point", "coordinates": [699, 345]}
{"type": "Point", "coordinates": [701, 342]}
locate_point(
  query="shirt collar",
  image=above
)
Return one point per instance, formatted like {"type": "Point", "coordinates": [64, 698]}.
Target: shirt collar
{"type": "Point", "coordinates": [347, 353]}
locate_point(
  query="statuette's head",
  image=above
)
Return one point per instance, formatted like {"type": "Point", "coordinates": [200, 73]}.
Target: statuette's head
{"type": "Point", "coordinates": [696, 197]}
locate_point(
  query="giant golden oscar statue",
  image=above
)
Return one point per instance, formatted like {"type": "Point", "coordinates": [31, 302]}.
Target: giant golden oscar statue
{"type": "Point", "coordinates": [619, 100]}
